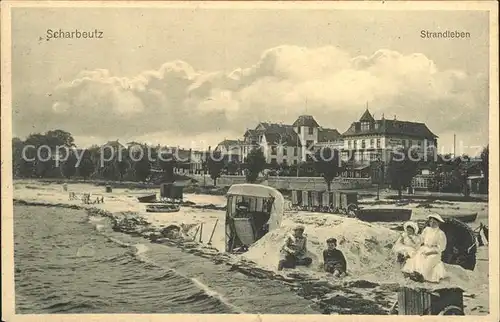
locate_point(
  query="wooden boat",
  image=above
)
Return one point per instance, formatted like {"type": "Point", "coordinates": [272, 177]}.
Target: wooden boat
{"type": "Point", "coordinates": [383, 214]}
{"type": "Point", "coordinates": [252, 211]}
{"type": "Point", "coordinates": [163, 208]}
{"type": "Point", "coordinates": [148, 198]}
{"type": "Point", "coordinates": [462, 217]}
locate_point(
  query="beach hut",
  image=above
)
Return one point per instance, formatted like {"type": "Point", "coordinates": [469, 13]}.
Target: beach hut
{"type": "Point", "coordinates": [252, 211]}
{"type": "Point", "coordinates": [305, 199]}
{"type": "Point", "coordinates": [348, 198]}
{"type": "Point", "coordinates": [295, 198]}
{"type": "Point", "coordinates": [171, 192]}
{"type": "Point", "coordinates": [337, 200]}
{"type": "Point", "coordinates": [315, 199]}
{"type": "Point", "coordinates": [439, 301]}
{"type": "Point", "coordinates": [325, 198]}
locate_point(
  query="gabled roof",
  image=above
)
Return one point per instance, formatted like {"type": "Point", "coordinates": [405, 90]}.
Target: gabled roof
{"type": "Point", "coordinates": [306, 120]}
{"type": "Point", "coordinates": [367, 117]}
{"type": "Point", "coordinates": [114, 144]}
{"type": "Point", "coordinates": [230, 144]}
{"type": "Point", "coordinates": [287, 138]}
{"type": "Point", "coordinates": [328, 135]}
{"type": "Point", "coordinates": [392, 127]}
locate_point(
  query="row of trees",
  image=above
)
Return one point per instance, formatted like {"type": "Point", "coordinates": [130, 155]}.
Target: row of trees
{"type": "Point", "coordinates": [53, 154]}
{"type": "Point", "coordinates": [448, 174]}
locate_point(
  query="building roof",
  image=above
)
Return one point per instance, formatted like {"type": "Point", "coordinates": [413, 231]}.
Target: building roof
{"type": "Point", "coordinates": [114, 144]}
{"type": "Point", "coordinates": [392, 127]}
{"type": "Point", "coordinates": [286, 138]}
{"type": "Point", "coordinates": [328, 135]}
{"type": "Point", "coordinates": [367, 117]}
{"type": "Point", "coordinates": [230, 144]}
{"type": "Point", "coordinates": [306, 120]}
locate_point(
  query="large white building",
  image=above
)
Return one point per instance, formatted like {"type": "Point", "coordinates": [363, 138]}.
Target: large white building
{"type": "Point", "coordinates": [369, 139]}
{"type": "Point", "coordinates": [284, 143]}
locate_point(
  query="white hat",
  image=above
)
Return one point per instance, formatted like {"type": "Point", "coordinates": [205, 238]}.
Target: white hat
{"type": "Point", "coordinates": [437, 217]}
{"type": "Point", "coordinates": [412, 225]}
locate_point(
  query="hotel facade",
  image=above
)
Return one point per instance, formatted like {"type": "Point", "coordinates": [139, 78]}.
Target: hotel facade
{"type": "Point", "coordinates": [365, 141]}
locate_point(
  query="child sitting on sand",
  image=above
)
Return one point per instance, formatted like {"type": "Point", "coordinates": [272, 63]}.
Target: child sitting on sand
{"type": "Point", "coordinates": [334, 259]}
{"type": "Point", "coordinates": [407, 243]}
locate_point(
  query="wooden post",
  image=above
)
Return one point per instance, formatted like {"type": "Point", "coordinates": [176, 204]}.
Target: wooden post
{"type": "Point", "coordinates": [201, 233]}
{"type": "Point", "coordinates": [196, 233]}
{"type": "Point", "coordinates": [213, 231]}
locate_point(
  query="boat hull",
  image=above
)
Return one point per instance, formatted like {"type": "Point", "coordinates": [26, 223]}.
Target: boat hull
{"type": "Point", "coordinates": [463, 218]}
{"type": "Point", "coordinates": [162, 208]}
{"type": "Point", "coordinates": [383, 215]}
{"type": "Point", "coordinates": [148, 198]}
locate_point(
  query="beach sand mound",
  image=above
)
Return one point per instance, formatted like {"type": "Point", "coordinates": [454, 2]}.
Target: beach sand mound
{"type": "Point", "coordinates": [366, 246]}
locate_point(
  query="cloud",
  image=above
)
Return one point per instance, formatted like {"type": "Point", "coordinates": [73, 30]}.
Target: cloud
{"type": "Point", "coordinates": [285, 82]}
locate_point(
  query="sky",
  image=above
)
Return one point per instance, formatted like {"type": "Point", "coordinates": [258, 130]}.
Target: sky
{"type": "Point", "coordinates": [196, 76]}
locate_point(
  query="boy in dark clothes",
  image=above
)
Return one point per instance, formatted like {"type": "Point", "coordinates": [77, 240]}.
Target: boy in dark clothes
{"type": "Point", "coordinates": [334, 260]}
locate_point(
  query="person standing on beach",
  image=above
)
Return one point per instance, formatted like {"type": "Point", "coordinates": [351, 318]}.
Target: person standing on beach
{"type": "Point", "coordinates": [427, 265]}
{"type": "Point", "coordinates": [334, 259]}
{"type": "Point", "coordinates": [294, 250]}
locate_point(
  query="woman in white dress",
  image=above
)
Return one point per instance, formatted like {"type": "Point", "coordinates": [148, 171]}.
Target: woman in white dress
{"type": "Point", "coordinates": [427, 264]}
{"type": "Point", "coordinates": [408, 242]}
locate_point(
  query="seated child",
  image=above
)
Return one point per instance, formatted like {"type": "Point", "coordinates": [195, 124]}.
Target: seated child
{"type": "Point", "coordinates": [335, 261]}
{"type": "Point", "coordinates": [407, 243]}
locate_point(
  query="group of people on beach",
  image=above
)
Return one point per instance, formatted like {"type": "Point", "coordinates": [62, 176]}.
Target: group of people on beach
{"type": "Point", "coordinates": [418, 254]}
{"type": "Point", "coordinates": [294, 252]}
{"type": "Point", "coordinates": [86, 198]}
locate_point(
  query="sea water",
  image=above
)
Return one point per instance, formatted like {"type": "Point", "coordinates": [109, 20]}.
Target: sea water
{"type": "Point", "coordinates": [66, 262]}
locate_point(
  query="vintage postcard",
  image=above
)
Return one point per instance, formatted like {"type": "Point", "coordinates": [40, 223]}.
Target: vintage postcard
{"type": "Point", "coordinates": [283, 161]}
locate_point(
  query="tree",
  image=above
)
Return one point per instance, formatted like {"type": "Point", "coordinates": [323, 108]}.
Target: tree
{"type": "Point", "coordinates": [402, 168]}
{"type": "Point", "coordinates": [232, 167]}
{"type": "Point", "coordinates": [142, 168]}
{"type": "Point", "coordinates": [68, 167]}
{"type": "Point", "coordinates": [327, 164]}
{"type": "Point", "coordinates": [58, 138]}
{"type": "Point", "coordinates": [121, 164]}
{"type": "Point", "coordinates": [215, 164]}
{"type": "Point", "coordinates": [86, 166]}
{"type": "Point", "coordinates": [167, 163]}
{"type": "Point", "coordinates": [256, 162]}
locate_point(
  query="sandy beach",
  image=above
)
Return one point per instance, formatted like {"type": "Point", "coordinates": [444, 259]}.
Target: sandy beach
{"type": "Point", "coordinates": [373, 273]}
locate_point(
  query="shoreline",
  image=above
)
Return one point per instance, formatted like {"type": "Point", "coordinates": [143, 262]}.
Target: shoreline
{"type": "Point", "coordinates": [308, 287]}
{"type": "Point", "coordinates": [358, 296]}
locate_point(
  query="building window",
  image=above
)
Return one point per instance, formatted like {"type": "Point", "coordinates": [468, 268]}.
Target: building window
{"type": "Point", "coordinates": [349, 144]}
{"type": "Point", "coordinates": [365, 126]}
{"type": "Point", "coordinates": [311, 130]}
{"type": "Point", "coordinates": [294, 161]}
{"type": "Point", "coordinates": [309, 143]}
{"type": "Point", "coordinates": [285, 151]}
{"type": "Point", "coordinates": [285, 162]}
{"type": "Point", "coordinates": [298, 129]}
{"type": "Point", "coordinates": [355, 144]}
{"type": "Point", "coordinates": [372, 143]}
{"type": "Point", "coordinates": [363, 144]}
{"type": "Point", "coordinates": [378, 143]}
{"type": "Point", "coordinates": [376, 126]}
{"type": "Point", "coordinates": [273, 150]}
{"type": "Point", "coordinates": [295, 151]}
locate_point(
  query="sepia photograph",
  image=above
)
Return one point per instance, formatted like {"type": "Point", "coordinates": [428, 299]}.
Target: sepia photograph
{"type": "Point", "coordinates": [249, 158]}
